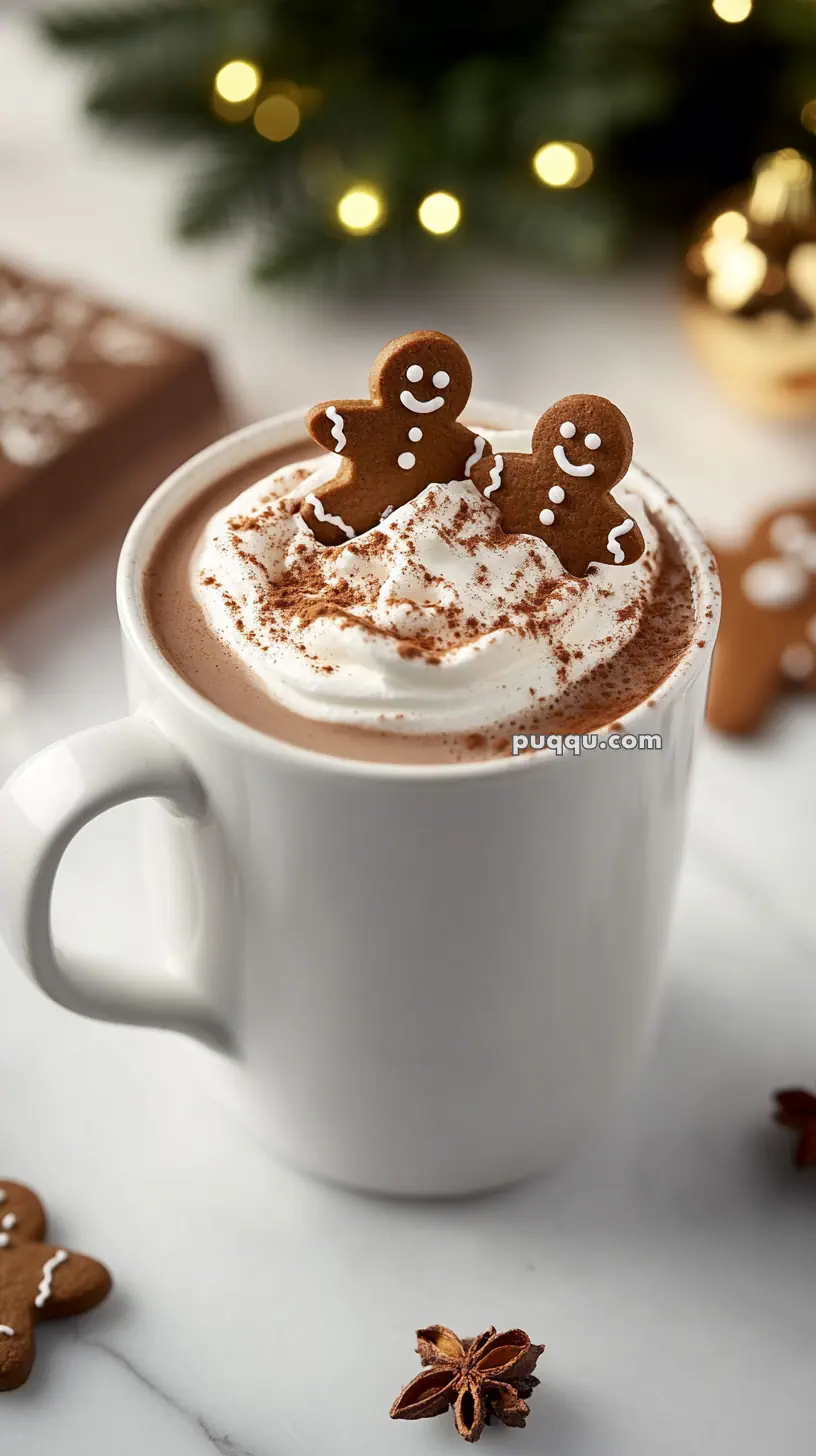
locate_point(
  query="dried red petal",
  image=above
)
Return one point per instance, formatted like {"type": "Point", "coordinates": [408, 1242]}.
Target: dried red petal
{"type": "Point", "coordinates": [806, 1151]}
{"type": "Point", "coordinates": [470, 1412]}
{"type": "Point", "coordinates": [509, 1356]}
{"type": "Point", "coordinates": [795, 1108]}
{"type": "Point", "coordinates": [428, 1394]}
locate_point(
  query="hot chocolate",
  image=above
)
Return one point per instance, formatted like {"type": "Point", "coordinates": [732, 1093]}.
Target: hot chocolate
{"type": "Point", "coordinates": [433, 637]}
{"type": "Point", "coordinates": [426, 589]}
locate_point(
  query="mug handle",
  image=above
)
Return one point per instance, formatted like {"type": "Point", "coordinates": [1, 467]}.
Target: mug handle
{"type": "Point", "coordinates": [42, 807]}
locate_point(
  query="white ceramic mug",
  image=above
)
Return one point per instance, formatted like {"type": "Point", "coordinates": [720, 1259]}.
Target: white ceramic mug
{"type": "Point", "coordinates": [434, 980]}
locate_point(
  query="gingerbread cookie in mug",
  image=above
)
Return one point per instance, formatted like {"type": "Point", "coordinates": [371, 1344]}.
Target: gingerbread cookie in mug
{"type": "Point", "coordinates": [767, 640]}
{"type": "Point", "coordinates": [582, 447]}
{"type": "Point", "coordinates": [405, 437]}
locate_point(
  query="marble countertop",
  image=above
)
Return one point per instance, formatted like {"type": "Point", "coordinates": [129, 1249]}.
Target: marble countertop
{"type": "Point", "coordinates": [671, 1268]}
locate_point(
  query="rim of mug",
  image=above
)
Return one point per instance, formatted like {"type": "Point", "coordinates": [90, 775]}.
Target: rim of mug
{"type": "Point", "coordinates": [239, 448]}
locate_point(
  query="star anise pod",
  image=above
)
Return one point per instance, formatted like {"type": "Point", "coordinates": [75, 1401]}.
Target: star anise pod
{"type": "Point", "coordinates": [796, 1109]}
{"type": "Point", "coordinates": [488, 1376]}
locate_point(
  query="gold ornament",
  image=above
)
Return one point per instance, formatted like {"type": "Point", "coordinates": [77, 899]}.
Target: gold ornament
{"type": "Point", "coordinates": [750, 290]}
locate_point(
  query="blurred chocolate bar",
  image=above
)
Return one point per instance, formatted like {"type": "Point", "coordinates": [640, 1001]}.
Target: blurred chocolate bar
{"type": "Point", "coordinates": [97, 405]}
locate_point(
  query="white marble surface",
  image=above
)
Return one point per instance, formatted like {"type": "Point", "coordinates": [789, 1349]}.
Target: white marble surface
{"type": "Point", "coordinates": [671, 1269]}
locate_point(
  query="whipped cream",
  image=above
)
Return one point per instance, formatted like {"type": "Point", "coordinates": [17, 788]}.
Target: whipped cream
{"type": "Point", "coordinates": [435, 621]}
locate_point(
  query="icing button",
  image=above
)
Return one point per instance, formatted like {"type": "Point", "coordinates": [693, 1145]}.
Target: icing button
{"type": "Point", "coordinates": [787, 533]}
{"type": "Point", "coordinates": [774, 583]}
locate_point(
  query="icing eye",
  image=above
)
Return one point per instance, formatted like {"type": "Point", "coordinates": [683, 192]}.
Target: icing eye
{"type": "Point", "coordinates": [567, 429]}
{"type": "Point", "coordinates": [592, 442]}
{"type": "Point", "coordinates": [415, 433]}
{"type": "Point", "coordinates": [414, 373]}
{"type": "Point", "coordinates": [441, 379]}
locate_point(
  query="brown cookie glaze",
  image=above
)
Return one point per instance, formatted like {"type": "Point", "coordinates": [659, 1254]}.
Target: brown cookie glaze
{"type": "Point", "coordinates": [406, 436]}
{"type": "Point", "coordinates": [767, 639]}
{"type": "Point", "coordinates": [37, 1281]}
{"type": "Point", "coordinates": [582, 447]}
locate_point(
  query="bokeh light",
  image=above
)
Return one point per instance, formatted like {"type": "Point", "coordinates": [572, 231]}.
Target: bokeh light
{"type": "Point", "coordinates": [732, 11]}
{"type": "Point", "coordinates": [809, 115]}
{"type": "Point", "coordinates": [440, 213]}
{"type": "Point", "coordinates": [563, 164]}
{"type": "Point", "coordinates": [276, 118]}
{"type": "Point", "coordinates": [361, 209]}
{"type": "Point", "coordinates": [730, 227]}
{"type": "Point", "coordinates": [237, 81]}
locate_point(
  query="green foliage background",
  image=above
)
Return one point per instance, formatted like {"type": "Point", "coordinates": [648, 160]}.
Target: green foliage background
{"type": "Point", "coordinates": [420, 95]}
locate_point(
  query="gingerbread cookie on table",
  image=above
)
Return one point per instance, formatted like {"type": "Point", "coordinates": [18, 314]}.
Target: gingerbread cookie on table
{"type": "Point", "coordinates": [37, 1281]}
{"type": "Point", "coordinates": [406, 436]}
{"type": "Point", "coordinates": [582, 447]}
{"type": "Point", "coordinates": [767, 640]}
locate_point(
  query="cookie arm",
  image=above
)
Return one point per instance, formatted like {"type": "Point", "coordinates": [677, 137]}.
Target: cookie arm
{"type": "Point", "coordinates": [76, 1284]}
{"type": "Point", "coordinates": [16, 1343]}
{"type": "Point", "coordinates": [608, 536]}
{"type": "Point", "coordinates": [484, 474]}
{"type": "Point", "coordinates": [327, 511]}
{"type": "Point", "coordinates": [626, 537]}
{"type": "Point", "coordinates": [475, 447]}
{"type": "Point", "coordinates": [334, 425]}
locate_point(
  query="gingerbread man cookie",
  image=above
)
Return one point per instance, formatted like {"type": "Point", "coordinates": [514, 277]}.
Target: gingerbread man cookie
{"type": "Point", "coordinates": [37, 1281]}
{"type": "Point", "coordinates": [405, 437]}
{"type": "Point", "coordinates": [582, 447]}
{"type": "Point", "coordinates": [767, 639]}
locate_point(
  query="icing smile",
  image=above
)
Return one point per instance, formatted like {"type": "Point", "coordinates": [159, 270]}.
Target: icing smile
{"type": "Point", "coordinates": [421, 406]}
{"type": "Point", "coordinates": [564, 463]}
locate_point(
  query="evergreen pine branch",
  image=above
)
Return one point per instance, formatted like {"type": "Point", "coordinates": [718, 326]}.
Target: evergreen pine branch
{"type": "Point", "coordinates": [161, 84]}
{"type": "Point", "coordinates": [98, 29]}
{"type": "Point", "coordinates": [671, 102]}
{"type": "Point", "coordinates": [241, 185]}
{"type": "Point", "coordinates": [307, 252]}
{"type": "Point", "coordinates": [157, 109]}
{"type": "Point", "coordinates": [584, 229]}
{"type": "Point", "coordinates": [596, 36]}
{"type": "Point", "coordinates": [298, 253]}
{"type": "Point", "coordinates": [793, 20]}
